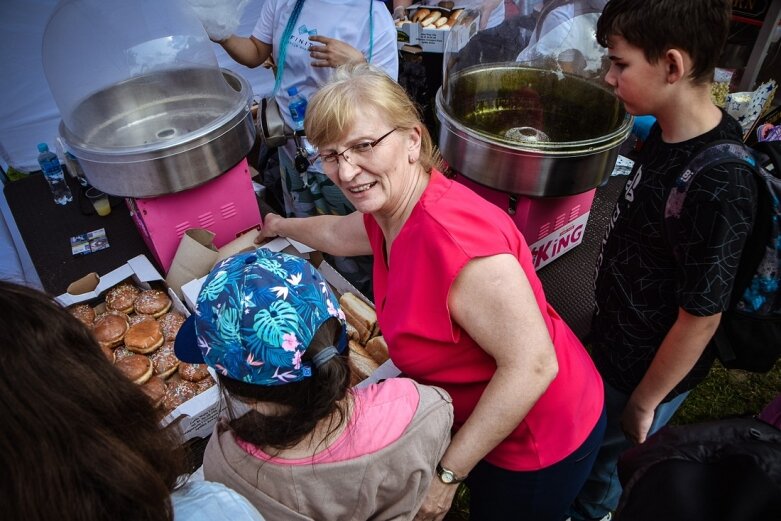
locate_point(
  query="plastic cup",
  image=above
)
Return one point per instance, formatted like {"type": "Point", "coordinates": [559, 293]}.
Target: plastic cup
{"type": "Point", "coordinates": [99, 201]}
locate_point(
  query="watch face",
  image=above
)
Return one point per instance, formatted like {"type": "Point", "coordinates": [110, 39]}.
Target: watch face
{"type": "Point", "coordinates": [446, 476]}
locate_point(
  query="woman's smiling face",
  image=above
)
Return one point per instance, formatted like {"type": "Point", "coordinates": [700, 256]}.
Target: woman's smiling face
{"type": "Point", "coordinates": [371, 164]}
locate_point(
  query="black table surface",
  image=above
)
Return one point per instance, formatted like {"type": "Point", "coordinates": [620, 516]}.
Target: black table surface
{"type": "Point", "coordinates": [47, 227]}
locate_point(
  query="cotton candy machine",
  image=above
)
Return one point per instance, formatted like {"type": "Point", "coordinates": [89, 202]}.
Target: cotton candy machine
{"type": "Point", "coordinates": [528, 122]}
{"type": "Point", "coordinates": [150, 115]}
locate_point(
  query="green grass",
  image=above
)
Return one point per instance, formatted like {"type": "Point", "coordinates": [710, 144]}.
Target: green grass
{"type": "Point", "coordinates": [724, 393]}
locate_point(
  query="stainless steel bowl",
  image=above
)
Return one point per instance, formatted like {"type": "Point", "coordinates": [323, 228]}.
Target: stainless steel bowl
{"type": "Point", "coordinates": [583, 122]}
{"type": "Point", "coordinates": [164, 132]}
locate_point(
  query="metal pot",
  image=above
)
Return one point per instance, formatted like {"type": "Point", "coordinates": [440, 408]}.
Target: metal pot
{"type": "Point", "coordinates": [564, 131]}
{"type": "Point", "coordinates": [164, 132]}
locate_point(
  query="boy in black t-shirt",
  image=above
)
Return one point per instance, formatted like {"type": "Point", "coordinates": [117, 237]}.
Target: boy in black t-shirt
{"type": "Point", "coordinates": [660, 293]}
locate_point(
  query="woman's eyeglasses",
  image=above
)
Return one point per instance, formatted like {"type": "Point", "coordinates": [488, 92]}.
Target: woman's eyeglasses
{"type": "Point", "coordinates": [350, 154]}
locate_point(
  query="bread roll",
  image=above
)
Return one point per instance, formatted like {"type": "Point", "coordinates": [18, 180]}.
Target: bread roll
{"type": "Point", "coordinates": [439, 22]}
{"type": "Point", "coordinates": [360, 314]}
{"type": "Point", "coordinates": [378, 349]}
{"type": "Point", "coordinates": [361, 363]}
{"type": "Point", "coordinates": [454, 16]}
{"type": "Point", "coordinates": [430, 19]}
{"type": "Point", "coordinates": [420, 14]}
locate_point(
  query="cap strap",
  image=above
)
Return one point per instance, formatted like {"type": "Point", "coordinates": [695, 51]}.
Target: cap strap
{"type": "Point", "coordinates": [323, 356]}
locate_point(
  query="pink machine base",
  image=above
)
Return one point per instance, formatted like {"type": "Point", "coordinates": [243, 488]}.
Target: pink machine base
{"type": "Point", "coordinates": [551, 225]}
{"type": "Point", "coordinates": [226, 206]}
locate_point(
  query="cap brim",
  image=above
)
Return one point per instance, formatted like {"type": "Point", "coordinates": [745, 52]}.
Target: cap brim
{"type": "Point", "coordinates": [186, 343]}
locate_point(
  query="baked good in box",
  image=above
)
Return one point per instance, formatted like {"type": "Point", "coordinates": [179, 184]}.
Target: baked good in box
{"type": "Point", "coordinates": [170, 323]}
{"type": "Point", "coordinates": [420, 14]}
{"type": "Point", "coordinates": [144, 337]}
{"type": "Point", "coordinates": [155, 389]}
{"type": "Point", "coordinates": [121, 297]}
{"type": "Point", "coordinates": [136, 368]}
{"type": "Point", "coordinates": [205, 384]}
{"type": "Point", "coordinates": [361, 363]}
{"type": "Point", "coordinates": [193, 372]}
{"type": "Point", "coordinates": [109, 329]}
{"type": "Point", "coordinates": [360, 315]}
{"type": "Point", "coordinates": [152, 302]}
{"type": "Point", "coordinates": [165, 360]}
{"type": "Point", "coordinates": [430, 19]}
{"type": "Point", "coordinates": [177, 393]}
{"type": "Point", "coordinates": [378, 349]}
{"type": "Point", "coordinates": [138, 317]}
{"type": "Point", "coordinates": [84, 313]}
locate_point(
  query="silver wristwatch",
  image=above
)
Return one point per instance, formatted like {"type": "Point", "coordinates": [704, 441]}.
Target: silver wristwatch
{"type": "Point", "coordinates": [447, 476]}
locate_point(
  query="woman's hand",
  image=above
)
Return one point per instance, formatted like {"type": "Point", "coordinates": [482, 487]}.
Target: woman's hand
{"type": "Point", "coordinates": [333, 52]}
{"type": "Point", "coordinates": [268, 231]}
{"type": "Point", "coordinates": [437, 502]}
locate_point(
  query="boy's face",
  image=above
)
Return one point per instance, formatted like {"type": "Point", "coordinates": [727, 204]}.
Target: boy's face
{"type": "Point", "coordinates": [636, 82]}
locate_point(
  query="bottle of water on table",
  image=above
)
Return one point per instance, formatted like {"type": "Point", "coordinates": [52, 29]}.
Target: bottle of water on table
{"type": "Point", "coordinates": [52, 171]}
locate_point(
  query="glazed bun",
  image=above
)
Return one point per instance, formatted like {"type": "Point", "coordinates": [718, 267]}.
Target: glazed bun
{"type": "Point", "coordinates": [144, 337]}
{"type": "Point", "coordinates": [84, 313]}
{"type": "Point", "coordinates": [152, 302]}
{"type": "Point", "coordinates": [121, 297]}
{"type": "Point", "coordinates": [138, 317]}
{"type": "Point", "coordinates": [109, 330]}
{"type": "Point", "coordinates": [136, 368]}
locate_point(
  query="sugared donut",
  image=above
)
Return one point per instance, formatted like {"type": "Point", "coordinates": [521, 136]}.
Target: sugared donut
{"type": "Point", "coordinates": [122, 352]}
{"type": "Point", "coordinates": [152, 302]}
{"type": "Point", "coordinates": [144, 337]}
{"type": "Point", "coordinates": [137, 368]}
{"type": "Point", "coordinates": [155, 389]}
{"type": "Point", "coordinates": [139, 317]}
{"type": "Point", "coordinates": [171, 322]}
{"type": "Point", "coordinates": [205, 384]}
{"type": "Point", "coordinates": [177, 393]}
{"type": "Point", "coordinates": [193, 372]}
{"type": "Point", "coordinates": [84, 313]}
{"type": "Point", "coordinates": [165, 361]}
{"type": "Point", "coordinates": [109, 330]}
{"type": "Point", "coordinates": [121, 297]}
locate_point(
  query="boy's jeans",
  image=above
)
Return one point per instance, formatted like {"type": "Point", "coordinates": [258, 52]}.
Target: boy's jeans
{"type": "Point", "coordinates": [600, 495]}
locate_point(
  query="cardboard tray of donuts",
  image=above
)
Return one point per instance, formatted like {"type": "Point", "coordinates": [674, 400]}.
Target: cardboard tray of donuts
{"type": "Point", "coordinates": [429, 26]}
{"type": "Point", "coordinates": [369, 360]}
{"type": "Point", "coordinates": [134, 317]}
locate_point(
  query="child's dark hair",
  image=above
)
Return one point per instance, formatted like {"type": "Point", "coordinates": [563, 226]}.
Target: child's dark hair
{"type": "Point", "coordinates": [78, 440]}
{"type": "Point", "coordinates": [308, 401]}
{"type": "Point", "coordinates": [698, 27]}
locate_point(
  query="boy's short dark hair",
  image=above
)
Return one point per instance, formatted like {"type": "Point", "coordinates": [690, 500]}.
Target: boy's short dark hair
{"type": "Point", "coordinates": [698, 27]}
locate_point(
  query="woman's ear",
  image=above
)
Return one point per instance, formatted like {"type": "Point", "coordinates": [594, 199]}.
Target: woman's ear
{"type": "Point", "coordinates": [413, 144]}
{"type": "Point", "coordinates": [677, 65]}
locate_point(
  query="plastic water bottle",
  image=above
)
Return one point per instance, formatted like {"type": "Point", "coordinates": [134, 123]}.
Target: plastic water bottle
{"type": "Point", "coordinates": [297, 107]}
{"type": "Point", "coordinates": [52, 171]}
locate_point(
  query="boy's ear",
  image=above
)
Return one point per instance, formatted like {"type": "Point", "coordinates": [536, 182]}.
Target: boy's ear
{"type": "Point", "coordinates": [675, 63]}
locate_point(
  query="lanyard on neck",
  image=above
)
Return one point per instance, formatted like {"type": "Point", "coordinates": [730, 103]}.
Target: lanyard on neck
{"type": "Point", "coordinates": [283, 48]}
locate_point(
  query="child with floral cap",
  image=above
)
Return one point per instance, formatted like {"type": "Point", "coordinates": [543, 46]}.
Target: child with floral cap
{"type": "Point", "coordinates": [299, 443]}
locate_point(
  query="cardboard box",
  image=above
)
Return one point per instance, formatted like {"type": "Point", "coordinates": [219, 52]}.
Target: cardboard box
{"type": "Point", "coordinates": [437, 40]}
{"type": "Point", "coordinates": [196, 416]}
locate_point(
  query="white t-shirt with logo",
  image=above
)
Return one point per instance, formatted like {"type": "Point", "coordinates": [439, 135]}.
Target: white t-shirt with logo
{"type": "Point", "coordinates": [345, 20]}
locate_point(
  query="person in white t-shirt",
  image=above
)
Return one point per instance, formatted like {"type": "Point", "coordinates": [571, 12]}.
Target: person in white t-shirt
{"type": "Point", "coordinates": [327, 33]}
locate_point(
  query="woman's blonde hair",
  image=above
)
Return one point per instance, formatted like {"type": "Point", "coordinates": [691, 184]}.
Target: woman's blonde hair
{"type": "Point", "coordinates": [353, 89]}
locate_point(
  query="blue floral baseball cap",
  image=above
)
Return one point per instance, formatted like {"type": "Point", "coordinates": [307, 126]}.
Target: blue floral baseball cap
{"type": "Point", "coordinates": [256, 315]}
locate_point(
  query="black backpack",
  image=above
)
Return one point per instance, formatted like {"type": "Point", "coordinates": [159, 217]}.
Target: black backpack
{"type": "Point", "coordinates": [724, 470]}
{"type": "Point", "coordinates": [749, 335]}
